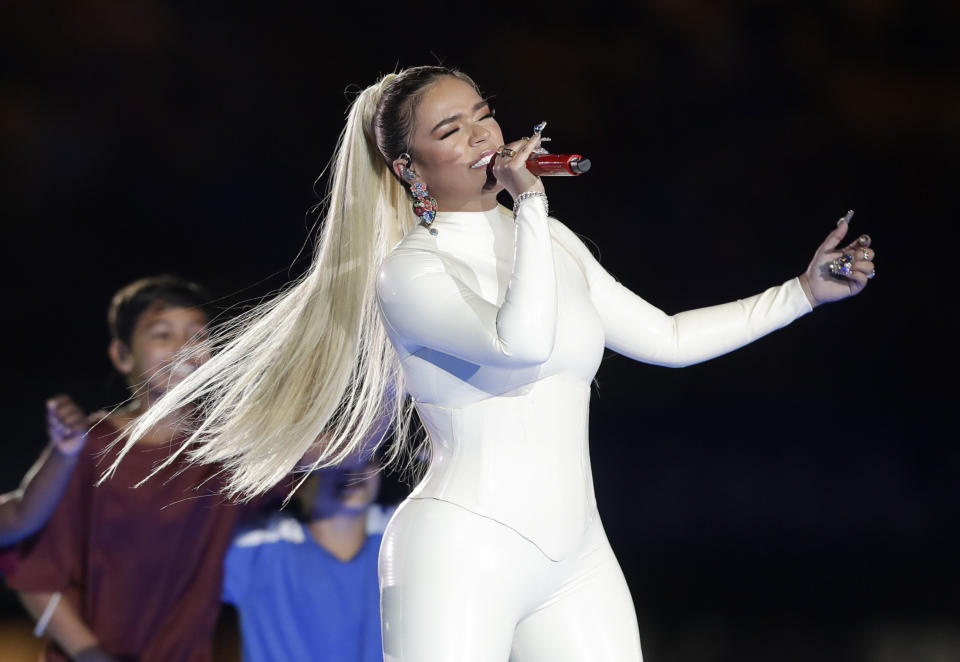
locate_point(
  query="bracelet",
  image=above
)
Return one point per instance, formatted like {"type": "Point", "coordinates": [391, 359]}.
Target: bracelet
{"type": "Point", "coordinates": [47, 614]}
{"type": "Point", "coordinates": [526, 196]}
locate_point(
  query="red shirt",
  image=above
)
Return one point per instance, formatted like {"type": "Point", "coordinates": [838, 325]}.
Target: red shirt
{"type": "Point", "coordinates": [143, 567]}
{"type": "Point", "coordinates": [8, 560]}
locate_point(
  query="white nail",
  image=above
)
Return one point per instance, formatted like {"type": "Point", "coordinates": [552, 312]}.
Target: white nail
{"type": "Point", "coordinates": [846, 217]}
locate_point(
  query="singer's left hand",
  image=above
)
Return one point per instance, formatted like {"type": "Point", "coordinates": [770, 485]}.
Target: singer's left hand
{"type": "Point", "coordinates": [820, 285]}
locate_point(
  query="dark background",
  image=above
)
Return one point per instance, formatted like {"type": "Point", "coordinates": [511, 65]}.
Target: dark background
{"type": "Point", "coordinates": [792, 501]}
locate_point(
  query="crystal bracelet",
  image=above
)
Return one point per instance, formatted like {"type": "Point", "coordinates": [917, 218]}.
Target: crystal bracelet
{"type": "Point", "coordinates": [526, 196]}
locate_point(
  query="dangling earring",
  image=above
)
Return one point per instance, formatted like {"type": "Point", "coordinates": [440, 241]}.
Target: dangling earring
{"type": "Point", "coordinates": [424, 205]}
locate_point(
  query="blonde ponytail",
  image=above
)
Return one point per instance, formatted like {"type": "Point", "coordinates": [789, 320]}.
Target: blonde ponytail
{"type": "Point", "coordinates": [314, 362]}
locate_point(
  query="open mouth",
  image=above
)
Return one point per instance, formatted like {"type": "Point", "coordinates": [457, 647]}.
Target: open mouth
{"type": "Point", "coordinates": [484, 160]}
{"type": "Point", "coordinates": [181, 370]}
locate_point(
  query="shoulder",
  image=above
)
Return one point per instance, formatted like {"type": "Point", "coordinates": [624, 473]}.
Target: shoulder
{"type": "Point", "coordinates": [104, 429]}
{"type": "Point", "coordinates": [413, 258]}
{"type": "Point", "coordinates": [567, 238]}
{"type": "Point", "coordinates": [277, 529]}
{"type": "Point", "coordinates": [574, 246]}
{"type": "Point", "coordinates": [104, 436]}
{"type": "Point", "coordinates": [417, 248]}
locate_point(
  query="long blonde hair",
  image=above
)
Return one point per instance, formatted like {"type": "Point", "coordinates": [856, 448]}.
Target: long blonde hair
{"type": "Point", "coordinates": [315, 361]}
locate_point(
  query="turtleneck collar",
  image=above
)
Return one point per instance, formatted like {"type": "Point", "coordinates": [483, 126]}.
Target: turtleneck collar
{"type": "Point", "coordinates": [467, 220]}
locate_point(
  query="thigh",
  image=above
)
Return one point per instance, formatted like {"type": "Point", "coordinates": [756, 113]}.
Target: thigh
{"type": "Point", "coordinates": [591, 618]}
{"type": "Point", "coordinates": [451, 584]}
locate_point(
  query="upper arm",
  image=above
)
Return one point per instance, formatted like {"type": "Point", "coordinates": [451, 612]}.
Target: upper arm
{"type": "Point", "coordinates": [52, 560]}
{"type": "Point", "coordinates": [427, 305]}
{"type": "Point", "coordinates": [11, 525]}
{"type": "Point", "coordinates": [631, 326]}
{"type": "Point", "coordinates": [641, 331]}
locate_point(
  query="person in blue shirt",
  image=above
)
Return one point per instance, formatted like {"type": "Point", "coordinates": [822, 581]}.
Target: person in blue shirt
{"type": "Point", "coordinates": [306, 589]}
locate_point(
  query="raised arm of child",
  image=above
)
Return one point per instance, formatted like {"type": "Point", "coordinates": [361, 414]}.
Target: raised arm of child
{"type": "Point", "coordinates": [26, 509]}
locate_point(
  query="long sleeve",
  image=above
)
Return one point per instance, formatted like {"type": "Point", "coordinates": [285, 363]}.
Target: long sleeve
{"type": "Point", "coordinates": [641, 331]}
{"type": "Point", "coordinates": [425, 305]}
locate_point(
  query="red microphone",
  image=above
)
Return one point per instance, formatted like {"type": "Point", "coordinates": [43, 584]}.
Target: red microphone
{"type": "Point", "coordinates": [557, 164]}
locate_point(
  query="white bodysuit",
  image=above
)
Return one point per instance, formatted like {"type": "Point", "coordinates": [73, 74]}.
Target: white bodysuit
{"type": "Point", "coordinates": [500, 326]}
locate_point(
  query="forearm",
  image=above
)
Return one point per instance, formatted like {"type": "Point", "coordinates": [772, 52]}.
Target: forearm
{"type": "Point", "coordinates": [27, 509]}
{"type": "Point", "coordinates": [641, 332]}
{"type": "Point", "coordinates": [65, 625]}
{"type": "Point", "coordinates": [526, 322]}
{"type": "Point", "coordinates": [428, 302]}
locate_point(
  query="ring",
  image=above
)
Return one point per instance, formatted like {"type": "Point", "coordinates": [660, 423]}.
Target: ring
{"type": "Point", "coordinates": [842, 266]}
{"type": "Point", "coordinates": [866, 255]}
{"type": "Point", "coordinates": [506, 151]}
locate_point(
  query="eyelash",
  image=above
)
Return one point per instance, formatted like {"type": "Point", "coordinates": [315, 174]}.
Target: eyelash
{"type": "Point", "coordinates": [489, 115]}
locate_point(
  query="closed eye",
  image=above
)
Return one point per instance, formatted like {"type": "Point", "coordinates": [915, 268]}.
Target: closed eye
{"type": "Point", "coordinates": [489, 115]}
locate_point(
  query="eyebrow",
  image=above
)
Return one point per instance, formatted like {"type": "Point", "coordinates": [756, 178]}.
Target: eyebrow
{"type": "Point", "coordinates": [454, 118]}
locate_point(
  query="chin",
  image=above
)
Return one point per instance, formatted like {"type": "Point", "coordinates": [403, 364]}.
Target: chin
{"type": "Point", "coordinates": [491, 186]}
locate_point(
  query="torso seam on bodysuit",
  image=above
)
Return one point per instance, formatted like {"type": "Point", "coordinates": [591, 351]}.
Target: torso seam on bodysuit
{"type": "Point", "coordinates": [487, 517]}
{"type": "Point", "coordinates": [541, 378]}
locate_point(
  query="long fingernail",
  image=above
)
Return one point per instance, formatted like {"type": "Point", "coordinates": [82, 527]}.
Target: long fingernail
{"type": "Point", "coordinates": [539, 127]}
{"type": "Point", "coordinates": [846, 217]}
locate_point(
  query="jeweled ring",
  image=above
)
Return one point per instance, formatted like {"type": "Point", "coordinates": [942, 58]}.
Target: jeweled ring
{"type": "Point", "coordinates": [842, 266]}
{"type": "Point", "coordinates": [506, 151]}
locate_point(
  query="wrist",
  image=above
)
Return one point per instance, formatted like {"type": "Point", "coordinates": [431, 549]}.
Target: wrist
{"type": "Point", "coordinates": [93, 653]}
{"type": "Point", "coordinates": [528, 187]}
{"type": "Point", "coordinates": [67, 452]}
{"type": "Point", "coordinates": [805, 286]}
{"type": "Point", "coordinates": [539, 197]}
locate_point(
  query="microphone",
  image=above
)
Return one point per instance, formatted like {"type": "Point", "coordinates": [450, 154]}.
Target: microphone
{"type": "Point", "coordinates": [557, 164]}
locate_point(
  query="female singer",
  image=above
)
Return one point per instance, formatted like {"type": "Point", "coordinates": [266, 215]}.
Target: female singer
{"type": "Point", "coordinates": [494, 322]}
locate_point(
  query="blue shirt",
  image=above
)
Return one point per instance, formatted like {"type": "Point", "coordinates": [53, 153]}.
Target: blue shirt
{"type": "Point", "coordinates": [296, 601]}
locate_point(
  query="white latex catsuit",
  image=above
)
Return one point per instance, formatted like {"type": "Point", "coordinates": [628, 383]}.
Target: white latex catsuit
{"type": "Point", "coordinates": [499, 552]}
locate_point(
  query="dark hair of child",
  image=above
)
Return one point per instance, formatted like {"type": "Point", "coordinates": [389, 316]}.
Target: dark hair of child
{"type": "Point", "coordinates": [163, 291]}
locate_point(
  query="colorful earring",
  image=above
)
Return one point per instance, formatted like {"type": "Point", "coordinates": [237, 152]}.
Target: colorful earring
{"type": "Point", "coordinates": [424, 205]}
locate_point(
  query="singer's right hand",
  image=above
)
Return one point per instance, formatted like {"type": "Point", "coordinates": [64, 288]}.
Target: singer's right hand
{"type": "Point", "coordinates": [512, 171]}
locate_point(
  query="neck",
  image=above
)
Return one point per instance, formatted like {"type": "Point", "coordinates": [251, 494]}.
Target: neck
{"type": "Point", "coordinates": [341, 535]}
{"type": "Point", "coordinates": [485, 202]}
{"type": "Point", "coordinates": [163, 432]}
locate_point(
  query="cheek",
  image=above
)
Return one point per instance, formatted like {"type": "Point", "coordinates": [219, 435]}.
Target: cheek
{"type": "Point", "coordinates": [157, 356]}
{"type": "Point", "coordinates": [445, 154]}
{"type": "Point", "coordinates": [496, 134]}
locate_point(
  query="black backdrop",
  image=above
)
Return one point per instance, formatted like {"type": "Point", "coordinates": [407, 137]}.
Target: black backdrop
{"type": "Point", "coordinates": [793, 500]}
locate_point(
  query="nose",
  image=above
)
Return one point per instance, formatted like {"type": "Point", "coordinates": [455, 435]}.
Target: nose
{"type": "Point", "coordinates": [198, 350]}
{"type": "Point", "coordinates": [199, 356]}
{"type": "Point", "coordinates": [480, 134]}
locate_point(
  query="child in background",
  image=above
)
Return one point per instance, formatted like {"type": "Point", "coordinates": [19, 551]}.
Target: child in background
{"type": "Point", "coordinates": [25, 510]}
{"type": "Point", "coordinates": [307, 590]}
{"type": "Point", "coordinates": [135, 574]}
